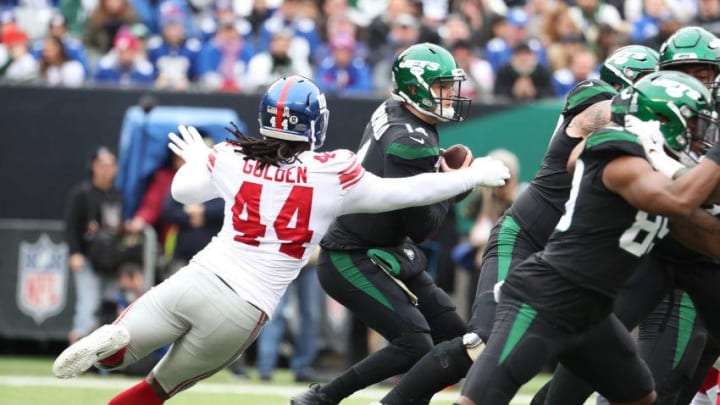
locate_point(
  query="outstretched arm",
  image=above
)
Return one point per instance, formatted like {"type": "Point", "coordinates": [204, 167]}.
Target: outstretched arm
{"type": "Point", "coordinates": [374, 194]}
{"type": "Point", "coordinates": [635, 180]}
{"type": "Point", "coordinates": [193, 184]}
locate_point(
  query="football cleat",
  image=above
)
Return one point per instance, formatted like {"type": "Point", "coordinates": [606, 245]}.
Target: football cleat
{"type": "Point", "coordinates": [99, 345]}
{"type": "Point", "coordinates": [313, 396]}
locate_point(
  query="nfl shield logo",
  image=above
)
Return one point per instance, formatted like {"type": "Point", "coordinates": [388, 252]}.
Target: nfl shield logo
{"type": "Point", "coordinates": [42, 278]}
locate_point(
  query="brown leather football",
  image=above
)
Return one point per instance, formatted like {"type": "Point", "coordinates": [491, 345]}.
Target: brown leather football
{"type": "Point", "coordinates": [457, 156]}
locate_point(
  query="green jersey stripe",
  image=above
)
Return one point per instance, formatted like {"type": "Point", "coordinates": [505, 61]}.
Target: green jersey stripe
{"type": "Point", "coordinates": [608, 136]}
{"type": "Point", "coordinates": [412, 152]}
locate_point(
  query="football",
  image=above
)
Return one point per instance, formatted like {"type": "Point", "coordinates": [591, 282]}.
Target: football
{"type": "Point", "coordinates": [457, 156]}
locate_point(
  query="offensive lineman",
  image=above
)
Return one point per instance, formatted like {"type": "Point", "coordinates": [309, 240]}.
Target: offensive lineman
{"type": "Point", "coordinates": [280, 197]}
{"type": "Point", "coordinates": [558, 302]}
{"type": "Point", "coordinates": [671, 337]}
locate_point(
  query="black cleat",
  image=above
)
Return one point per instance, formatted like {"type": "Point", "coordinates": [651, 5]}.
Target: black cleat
{"type": "Point", "coordinates": [312, 396]}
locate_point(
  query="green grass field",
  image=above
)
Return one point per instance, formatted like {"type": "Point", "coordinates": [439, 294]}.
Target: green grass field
{"type": "Point", "coordinates": [29, 381]}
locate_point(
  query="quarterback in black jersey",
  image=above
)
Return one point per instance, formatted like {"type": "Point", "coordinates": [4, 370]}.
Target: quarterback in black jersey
{"type": "Point", "coordinates": [367, 263]}
{"type": "Point", "coordinates": [557, 304]}
{"type": "Point", "coordinates": [518, 234]}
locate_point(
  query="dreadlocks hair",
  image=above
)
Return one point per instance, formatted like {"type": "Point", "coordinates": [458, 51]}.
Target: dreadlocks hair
{"type": "Point", "coordinates": [266, 151]}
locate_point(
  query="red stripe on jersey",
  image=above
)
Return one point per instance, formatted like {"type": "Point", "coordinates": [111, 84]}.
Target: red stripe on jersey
{"type": "Point", "coordinates": [211, 160]}
{"type": "Point", "coordinates": [357, 171]}
{"type": "Point", "coordinates": [353, 182]}
{"type": "Point", "coordinates": [350, 167]}
{"type": "Point", "coordinates": [281, 102]}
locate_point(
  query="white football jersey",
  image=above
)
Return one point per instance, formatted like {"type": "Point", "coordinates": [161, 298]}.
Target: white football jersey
{"type": "Point", "coordinates": [274, 217]}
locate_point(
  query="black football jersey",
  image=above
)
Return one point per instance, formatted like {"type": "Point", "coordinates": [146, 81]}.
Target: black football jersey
{"type": "Point", "coordinates": [538, 208]}
{"type": "Point", "coordinates": [601, 237]}
{"type": "Point", "coordinates": [395, 143]}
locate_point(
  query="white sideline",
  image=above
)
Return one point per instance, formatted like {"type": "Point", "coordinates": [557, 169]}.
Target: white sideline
{"type": "Point", "coordinates": [206, 387]}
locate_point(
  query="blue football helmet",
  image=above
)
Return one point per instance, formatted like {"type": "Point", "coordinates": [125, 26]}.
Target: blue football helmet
{"type": "Point", "coordinates": [294, 109]}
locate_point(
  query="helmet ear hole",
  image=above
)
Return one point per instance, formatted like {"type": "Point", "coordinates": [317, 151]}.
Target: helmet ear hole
{"type": "Point", "coordinates": [412, 90]}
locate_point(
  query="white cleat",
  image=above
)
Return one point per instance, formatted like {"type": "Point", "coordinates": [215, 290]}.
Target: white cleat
{"type": "Point", "coordinates": [101, 344]}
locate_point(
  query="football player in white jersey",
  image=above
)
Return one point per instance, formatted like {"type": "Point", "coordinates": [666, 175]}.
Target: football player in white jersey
{"type": "Point", "coordinates": [280, 197]}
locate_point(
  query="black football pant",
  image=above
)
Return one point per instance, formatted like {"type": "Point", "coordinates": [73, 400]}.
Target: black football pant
{"type": "Point", "coordinates": [374, 297]}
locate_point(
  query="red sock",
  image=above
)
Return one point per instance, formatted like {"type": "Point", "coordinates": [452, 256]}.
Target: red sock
{"type": "Point", "coordinates": [139, 394]}
{"type": "Point", "coordinates": [115, 359]}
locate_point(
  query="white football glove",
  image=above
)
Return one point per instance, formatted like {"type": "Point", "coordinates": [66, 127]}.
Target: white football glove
{"type": "Point", "coordinates": [653, 141]}
{"type": "Point", "coordinates": [489, 172]}
{"type": "Point", "coordinates": [191, 147]}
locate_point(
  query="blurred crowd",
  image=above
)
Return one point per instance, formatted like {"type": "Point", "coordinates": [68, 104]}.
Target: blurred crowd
{"type": "Point", "coordinates": [518, 49]}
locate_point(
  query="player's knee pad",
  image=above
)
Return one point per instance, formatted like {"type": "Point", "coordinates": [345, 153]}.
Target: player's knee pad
{"type": "Point", "coordinates": [473, 344]}
{"type": "Point", "coordinates": [452, 356]}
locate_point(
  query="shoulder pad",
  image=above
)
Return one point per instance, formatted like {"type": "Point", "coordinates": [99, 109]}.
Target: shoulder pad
{"type": "Point", "coordinates": [614, 140]}
{"type": "Point", "coordinates": [587, 93]}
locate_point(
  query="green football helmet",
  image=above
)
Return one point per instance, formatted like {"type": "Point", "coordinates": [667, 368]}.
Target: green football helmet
{"type": "Point", "coordinates": [684, 107]}
{"type": "Point", "coordinates": [628, 64]}
{"type": "Point", "coordinates": [690, 46]}
{"type": "Point", "coordinates": [416, 69]}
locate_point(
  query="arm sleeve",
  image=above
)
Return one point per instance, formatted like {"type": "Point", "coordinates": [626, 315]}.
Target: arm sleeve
{"type": "Point", "coordinates": [193, 184]}
{"type": "Point", "coordinates": [372, 194]}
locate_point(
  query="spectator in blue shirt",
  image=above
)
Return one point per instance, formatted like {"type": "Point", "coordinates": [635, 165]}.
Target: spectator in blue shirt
{"type": "Point", "coordinates": [173, 56]}
{"type": "Point", "coordinates": [74, 49]}
{"type": "Point", "coordinates": [509, 32]}
{"type": "Point", "coordinates": [125, 64]}
{"type": "Point", "coordinates": [288, 17]}
{"type": "Point", "coordinates": [223, 59]}
{"type": "Point", "coordinates": [582, 66]}
{"type": "Point", "coordinates": [342, 72]}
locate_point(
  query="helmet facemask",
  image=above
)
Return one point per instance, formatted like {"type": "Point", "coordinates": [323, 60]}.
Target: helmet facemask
{"type": "Point", "coordinates": [700, 134]}
{"type": "Point", "coordinates": [453, 107]}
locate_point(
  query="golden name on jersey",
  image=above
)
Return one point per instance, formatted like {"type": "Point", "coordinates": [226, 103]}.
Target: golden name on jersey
{"type": "Point", "coordinates": [292, 175]}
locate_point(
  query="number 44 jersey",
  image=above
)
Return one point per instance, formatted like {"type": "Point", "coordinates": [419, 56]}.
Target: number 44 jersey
{"type": "Point", "coordinates": [601, 237]}
{"type": "Point", "coordinates": [274, 217]}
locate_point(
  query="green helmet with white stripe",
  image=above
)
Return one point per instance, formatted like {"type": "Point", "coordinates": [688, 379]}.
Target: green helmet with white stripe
{"type": "Point", "coordinates": [420, 66]}
{"type": "Point", "coordinates": [628, 64]}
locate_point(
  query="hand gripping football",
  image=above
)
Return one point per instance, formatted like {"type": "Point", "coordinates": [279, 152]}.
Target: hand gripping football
{"type": "Point", "coordinates": [456, 157]}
